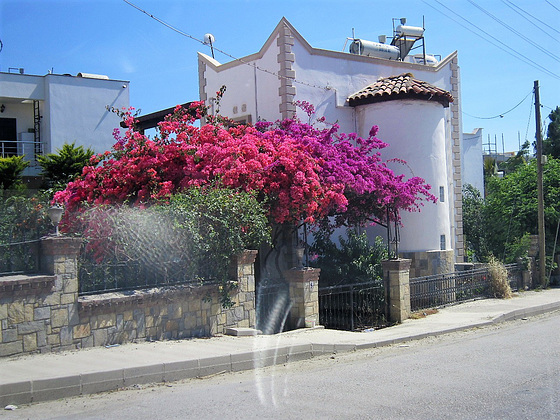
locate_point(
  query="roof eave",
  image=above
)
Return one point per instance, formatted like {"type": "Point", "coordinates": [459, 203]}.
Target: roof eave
{"type": "Point", "coordinates": [443, 100]}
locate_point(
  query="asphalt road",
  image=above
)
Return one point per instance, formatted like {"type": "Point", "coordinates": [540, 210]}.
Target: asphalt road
{"type": "Point", "coordinates": [506, 371]}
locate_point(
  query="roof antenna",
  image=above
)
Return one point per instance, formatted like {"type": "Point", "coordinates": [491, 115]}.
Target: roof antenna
{"type": "Point", "coordinates": [209, 40]}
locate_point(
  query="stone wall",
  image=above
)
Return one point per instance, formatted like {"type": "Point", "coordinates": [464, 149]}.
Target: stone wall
{"type": "Point", "coordinates": [396, 274]}
{"type": "Point", "coordinates": [44, 313]}
{"type": "Point", "coordinates": [428, 263]}
{"type": "Point", "coordinates": [304, 295]}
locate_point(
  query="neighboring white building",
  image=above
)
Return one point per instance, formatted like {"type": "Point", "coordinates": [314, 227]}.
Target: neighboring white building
{"type": "Point", "coordinates": [41, 113]}
{"type": "Point", "coordinates": [415, 117]}
{"type": "Point", "coordinates": [472, 161]}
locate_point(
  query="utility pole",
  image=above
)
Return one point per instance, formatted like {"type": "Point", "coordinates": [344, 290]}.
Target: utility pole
{"type": "Point", "coordinates": [540, 192]}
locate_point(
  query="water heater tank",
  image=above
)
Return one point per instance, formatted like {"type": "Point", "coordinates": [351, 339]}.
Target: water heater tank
{"type": "Point", "coordinates": [414, 31]}
{"type": "Point", "coordinates": [374, 49]}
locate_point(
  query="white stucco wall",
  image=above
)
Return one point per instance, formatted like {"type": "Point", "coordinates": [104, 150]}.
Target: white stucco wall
{"type": "Point", "coordinates": [472, 165]}
{"type": "Point", "coordinates": [247, 88]}
{"type": "Point", "coordinates": [73, 109]}
{"type": "Point", "coordinates": [21, 86]}
{"type": "Point", "coordinates": [323, 78]}
{"type": "Point", "coordinates": [76, 111]}
{"type": "Point", "coordinates": [415, 131]}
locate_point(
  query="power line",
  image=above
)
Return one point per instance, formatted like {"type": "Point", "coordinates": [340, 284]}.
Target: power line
{"type": "Point", "coordinates": [515, 31]}
{"type": "Point", "coordinates": [530, 115]}
{"type": "Point", "coordinates": [501, 115]}
{"type": "Point", "coordinates": [519, 11]}
{"type": "Point", "coordinates": [509, 50]}
{"type": "Point", "coordinates": [552, 5]}
{"type": "Point", "coordinates": [167, 25]}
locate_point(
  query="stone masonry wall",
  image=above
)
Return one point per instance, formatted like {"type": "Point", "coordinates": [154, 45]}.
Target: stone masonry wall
{"type": "Point", "coordinates": [428, 263]}
{"type": "Point", "coordinates": [43, 313]}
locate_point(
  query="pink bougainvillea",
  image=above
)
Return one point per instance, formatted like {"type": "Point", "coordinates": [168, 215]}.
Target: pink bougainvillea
{"type": "Point", "coordinates": [301, 172]}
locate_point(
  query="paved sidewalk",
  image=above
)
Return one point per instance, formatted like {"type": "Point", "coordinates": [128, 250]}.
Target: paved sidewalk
{"type": "Point", "coordinates": [43, 377]}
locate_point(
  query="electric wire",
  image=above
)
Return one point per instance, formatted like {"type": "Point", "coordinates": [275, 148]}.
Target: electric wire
{"type": "Point", "coordinates": [503, 113]}
{"type": "Point", "coordinates": [552, 5]}
{"type": "Point", "coordinates": [167, 25]}
{"type": "Point", "coordinates": [515, 31]}
{"type": "Point", "coordinates": [536, 18]}
{"type": "Point", "coordinates": [518, 10]}
{"type": "Point", "coordinates": [530, 116]}
{"type": "Point", "coordinates": [509, 50]}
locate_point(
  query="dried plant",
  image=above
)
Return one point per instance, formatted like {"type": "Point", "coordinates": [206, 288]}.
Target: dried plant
{"type": "Point", "coordinates": [499, 283]}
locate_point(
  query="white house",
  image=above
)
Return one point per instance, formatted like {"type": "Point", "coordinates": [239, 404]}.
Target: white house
{"type": "Point", "coordinates": [417, 108]}
{"type": "Point", "coordinates": [38, 114]}
{"type": "Point", "coordinates": [472, 159]}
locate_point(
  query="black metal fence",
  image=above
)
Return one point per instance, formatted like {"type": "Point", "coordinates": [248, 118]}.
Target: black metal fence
{"type": "Point", "coordinates": [127, 274]}
{"type": "Point", "coordinates": [353, 307]}
{"type": "Point", "coordinates": [443, 289]}
{"type": "Point", "coordinates": [120, 275]}
{"type": "Point", "coordinates": [273, 305]}
{"type": "Point", "coordinates": [20, 258]}
{"type": "Point", "coordinates": [515, 276]}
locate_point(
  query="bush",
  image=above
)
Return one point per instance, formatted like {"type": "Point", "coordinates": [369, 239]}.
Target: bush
{"type": "Point", "coordinates": [65, 165]}
{"type": "Point", "coordinates": [191, 238]}
{"type": "Point", "coordinates": [499, 283]}
{"type": "Point", "coordinates": [10, 171]}
{"type": "Point", "coordinates": [23, 221]}
{"type": "Point", "coordinates": [354, 261]}
{"type": "Point", "coordinates": [22, 218]}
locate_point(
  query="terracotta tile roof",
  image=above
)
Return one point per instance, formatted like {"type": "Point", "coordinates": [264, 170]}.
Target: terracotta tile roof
{"type": "Point", "coordinates": [403, 86]}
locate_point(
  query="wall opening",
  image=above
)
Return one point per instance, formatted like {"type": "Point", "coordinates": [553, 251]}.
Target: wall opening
{"type": "Point", "coordinates": [8, 137]}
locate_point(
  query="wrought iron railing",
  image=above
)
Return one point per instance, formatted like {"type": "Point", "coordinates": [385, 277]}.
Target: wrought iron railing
{"type": "Point", "coordinates": [515, 276]}
{"type": "Point", "coordinates": [20, 257]}
{"type": "Point", "coordinates": [443, 289]}
{"type": "Point", "coordinates": [128, 274]}
{"type": "Point", "coordinates": [353, 307]}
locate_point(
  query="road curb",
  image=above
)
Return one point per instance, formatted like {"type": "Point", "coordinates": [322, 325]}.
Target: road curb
{"type": "Point", "coordinates": [526, 312]}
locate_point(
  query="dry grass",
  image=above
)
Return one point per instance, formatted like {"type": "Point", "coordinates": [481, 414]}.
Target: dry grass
{"type": "Point", "coordinates": [423, 313]}
{"type": "Point", "coordinates": [499, 284]}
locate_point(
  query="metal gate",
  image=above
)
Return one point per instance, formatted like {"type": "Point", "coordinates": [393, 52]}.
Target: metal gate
{"type": "Point", "coordinates": [273, 305]}
{"type": "Point", "coordinates": [353, 307]}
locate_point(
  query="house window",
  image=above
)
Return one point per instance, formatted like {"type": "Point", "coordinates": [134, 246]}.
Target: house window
{"type": "Point", "coordinates": [442, 245]}
{"type": "Point", "coordinates": [246, 119]}
{"type": "Point", "coordinates": [8, 137]}
{"type": "Point", "coordinates": [441, 194]}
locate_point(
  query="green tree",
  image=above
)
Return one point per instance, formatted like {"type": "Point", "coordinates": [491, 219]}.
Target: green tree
{"type": "Point", "coordinates": [474, 224]}
{"type": "Point", "coordinates": [490, 169]}
{"type": "Point", "coordinates": [520, 159]}
{"type": "Point", "coordinates": [551, 145]}
{"type": "Point", "coordinates": [62, 167]}
{"type": "Point", "coordinates": [510, 208]}
{"type": "Point", "coordinates": [10, 171]}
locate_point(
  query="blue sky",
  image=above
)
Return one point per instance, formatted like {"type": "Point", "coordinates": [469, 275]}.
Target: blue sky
{"type": "Point", "coordinates": [503, 45]}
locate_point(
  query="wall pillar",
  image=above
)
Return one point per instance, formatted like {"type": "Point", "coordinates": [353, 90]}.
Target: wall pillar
{"type": "Point", "coordinates": [304, 294]}
{"type": "Point", "coordinates": [244, 299]}
{"type": "Point", "coordinates": [59, 257]}
{"type": "Point", "coordinates": [396, 276]}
